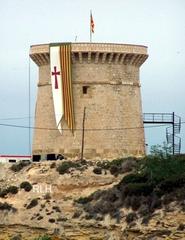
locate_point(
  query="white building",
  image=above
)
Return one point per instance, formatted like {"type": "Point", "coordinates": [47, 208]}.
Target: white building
{"type": "Point", "coordinates": [14, 158]}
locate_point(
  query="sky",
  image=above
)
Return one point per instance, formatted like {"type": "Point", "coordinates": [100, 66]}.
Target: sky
{"type": "Point", "coordinates": [158, 24]}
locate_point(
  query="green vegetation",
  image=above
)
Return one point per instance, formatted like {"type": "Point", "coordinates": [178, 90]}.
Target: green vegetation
{"type": "Point", "coordinates": [51, 220]}
{"type": "Point", "coordinates": [19, 166]}
{"type": "Point", "coordinates": [160, 151]}
{"type": "Point", "coordinates": [47, 196]}
{"type": "Point", "coordinates": [131, 217]}
{"type": "Point", "coordinates": [97, 170]}
{"type": "Point", "coordinates": [10, 189]}
{"type": "Point", "coordinates": [6, 206]}
{"type": "Point", "coordinates": [16, 237]}
{"type": "Point", "coordinates": [133, 178]}
{"type": "Point", "coordinates": [83, 200]}
{"type": "Point", "coordinates": [109, 164]}
{"type": "Point", "coordinates": [157, 180]}
{"type": "Point", "coordinates": [33, 203]}
{"type": "Point", "coordinates": [65, 166]}
{"type": "Point", "coordinates": [45, 237]}
{"type": "Point", "coordinates": [3, 193]}
{"type": "Point", "coordinates": [26, 186]}
{"type": "Point", "coordinates": [138, 189]}
{"type": "Point", "coordinates": [158, 169]}
{"type": "Point", "coordinates": [53, 165]}
{"type": "Point", "coordinates": [118, 166]}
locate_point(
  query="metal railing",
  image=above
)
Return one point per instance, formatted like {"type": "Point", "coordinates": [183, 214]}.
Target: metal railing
{"type": "Point", "coordinates": [167, 118]}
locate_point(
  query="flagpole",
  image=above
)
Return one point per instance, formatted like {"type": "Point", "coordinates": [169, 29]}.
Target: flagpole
{"type": "Point", "coordinates": [90, 26]}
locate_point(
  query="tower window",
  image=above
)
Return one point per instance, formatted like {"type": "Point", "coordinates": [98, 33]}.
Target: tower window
{"type": "Point", "coordinates": [85, 89]}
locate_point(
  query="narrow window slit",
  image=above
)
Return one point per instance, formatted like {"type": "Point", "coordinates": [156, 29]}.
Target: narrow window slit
{"type": "Point", "coordinates": [85, 89]}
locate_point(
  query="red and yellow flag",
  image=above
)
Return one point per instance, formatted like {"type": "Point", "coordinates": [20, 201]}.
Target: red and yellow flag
{"type": "Point", "coordinates": [91, 23]}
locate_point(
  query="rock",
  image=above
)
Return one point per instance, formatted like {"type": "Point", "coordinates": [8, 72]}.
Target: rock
{"type": "Point", "coordinates": [16, 237]}
{"type": "Point", "coordinates": [181, 227]}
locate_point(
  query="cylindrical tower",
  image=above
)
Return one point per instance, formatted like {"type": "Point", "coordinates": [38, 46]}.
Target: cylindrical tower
{"type": "Point", "coordinates": [105, 80]}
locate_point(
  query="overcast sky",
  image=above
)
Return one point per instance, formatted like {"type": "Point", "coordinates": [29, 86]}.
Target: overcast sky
{"type": "Point", "coordinates": [158, 24]}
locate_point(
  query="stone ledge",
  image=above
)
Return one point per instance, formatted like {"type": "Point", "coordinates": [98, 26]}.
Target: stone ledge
{"type": "Point", "coordinates": [96, 53]}
{"type": "Point", "coordinates": [94, 47]}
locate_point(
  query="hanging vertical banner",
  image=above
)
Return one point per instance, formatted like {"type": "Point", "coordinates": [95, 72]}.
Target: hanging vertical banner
{"type": "Point", "coordinates": [65, 54]}
{"type": "Point", "coordinates": [56, 83]}
{"type": "Point", "coordinates": [61, 80]}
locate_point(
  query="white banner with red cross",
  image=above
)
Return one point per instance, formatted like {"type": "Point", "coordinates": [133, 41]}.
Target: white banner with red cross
{"type": "Point", "coordinates": [56, 82]}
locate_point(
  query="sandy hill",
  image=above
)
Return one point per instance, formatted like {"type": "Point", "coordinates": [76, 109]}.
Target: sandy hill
{"type": "Point", "coordinates": [86, 200]}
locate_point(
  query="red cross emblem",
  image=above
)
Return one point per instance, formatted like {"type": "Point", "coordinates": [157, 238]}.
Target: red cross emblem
{"type": "Point", "coordinates": [55, 73]}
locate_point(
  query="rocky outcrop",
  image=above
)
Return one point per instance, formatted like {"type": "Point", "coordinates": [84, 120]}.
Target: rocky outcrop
{"type": "Point", "coordinates": [50, 207]}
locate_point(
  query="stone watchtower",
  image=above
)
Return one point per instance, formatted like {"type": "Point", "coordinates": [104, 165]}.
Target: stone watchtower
{"type": "Point", "coordinates": [105, 80]}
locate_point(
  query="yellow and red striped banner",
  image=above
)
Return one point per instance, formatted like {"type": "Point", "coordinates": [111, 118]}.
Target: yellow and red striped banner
{"type": "Point", "coordinates": [65, 60]}
{"type": "Point", "coordinates": [60, 58]}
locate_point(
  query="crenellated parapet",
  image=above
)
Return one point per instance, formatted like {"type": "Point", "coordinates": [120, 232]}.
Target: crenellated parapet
{"type": "Point", "coordinates": [98, 53]}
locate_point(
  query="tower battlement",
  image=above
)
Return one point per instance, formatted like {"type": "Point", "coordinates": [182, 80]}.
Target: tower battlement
{"type": "Point", "coordinates": [95, 53]}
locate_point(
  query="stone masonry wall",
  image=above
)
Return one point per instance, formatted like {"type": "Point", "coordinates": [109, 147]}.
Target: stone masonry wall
{"type": "Point", "coordinates": [114, 126]}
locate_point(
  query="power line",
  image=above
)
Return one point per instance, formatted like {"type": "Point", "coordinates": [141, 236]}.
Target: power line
{"type": "Point", "coordinates": [22, 118]}
{"type": "Point", "coordinates": [79, 129]}
{"type": "Point", "coordinates": [14, 118]}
